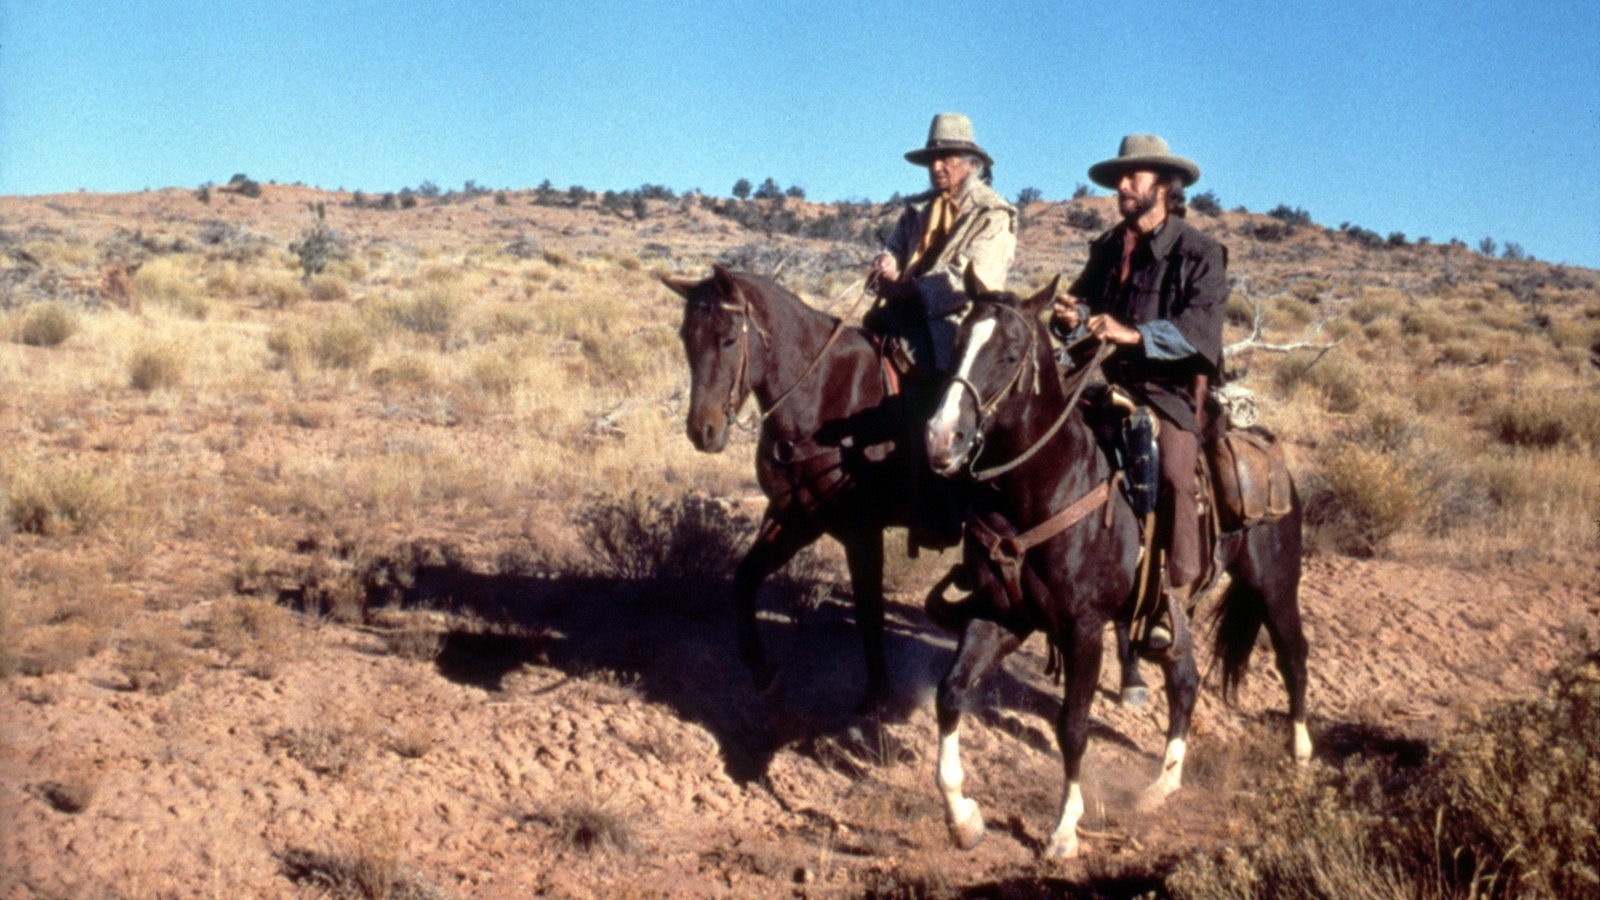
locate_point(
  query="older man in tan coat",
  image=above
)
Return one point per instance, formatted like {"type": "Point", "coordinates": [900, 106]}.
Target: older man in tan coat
{"type": "Point", "coordinates": [961, 222]}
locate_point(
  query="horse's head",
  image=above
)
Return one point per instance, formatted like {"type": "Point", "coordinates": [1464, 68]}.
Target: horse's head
{"type": "Point", "coordinates": [716, 334]}
{"type": "Point", "coordinates": [996, 366]}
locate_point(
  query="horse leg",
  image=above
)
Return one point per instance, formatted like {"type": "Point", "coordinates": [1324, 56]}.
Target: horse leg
{"type": "Point", "coordinates": [776, 543]}
{"type": "Point", "coordinates": [1182, 687]}
{"type": "Point", "coordinates": [1134, 693]}
{"type": "Point", "coordinates": [1289, 649]}
{"type": "Point", "coordinates": [983, 645]}
{"type": "Point", "coordinates": [863, 552]}
{"type": "Point", "coordinates": [1275, 589]}
{"type": "Point", "coordinates": [1081, 659]}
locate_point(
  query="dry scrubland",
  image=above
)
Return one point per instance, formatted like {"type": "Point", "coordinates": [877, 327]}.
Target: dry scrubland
{"type": "Point", "coordinates": [452, 457]}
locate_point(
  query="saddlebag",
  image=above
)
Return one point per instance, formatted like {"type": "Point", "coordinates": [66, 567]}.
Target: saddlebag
{"type": "Point", "coordinates": [1251, 476]}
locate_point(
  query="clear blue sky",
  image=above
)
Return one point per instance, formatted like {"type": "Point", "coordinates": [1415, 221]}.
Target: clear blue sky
{"type": "Point", "coordinates": [1462, 119]}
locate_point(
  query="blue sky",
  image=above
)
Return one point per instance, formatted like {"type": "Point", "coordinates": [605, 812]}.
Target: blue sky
{"type": "Point", "coordinates": [1464, 119]}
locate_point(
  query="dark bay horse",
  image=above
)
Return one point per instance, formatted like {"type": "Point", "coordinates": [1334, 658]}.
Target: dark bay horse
{"type": "Point", "coordinates": [831, 457]}
{"type": "Point", "coordinates": [1007, 412]}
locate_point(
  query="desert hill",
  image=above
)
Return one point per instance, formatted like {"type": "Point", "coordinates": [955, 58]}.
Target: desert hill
{"type": "Point", "coordinates": [301, 592]}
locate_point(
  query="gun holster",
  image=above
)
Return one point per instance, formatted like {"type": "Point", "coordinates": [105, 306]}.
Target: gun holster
{"type": "Point", "coordinates": [1137, 454]}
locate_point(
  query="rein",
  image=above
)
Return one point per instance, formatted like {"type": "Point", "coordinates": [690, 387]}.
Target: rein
{"type": "Point", "coordinates": [741, 387]}
{"type": "Point", "coordinates": [1007, 552]}
{"type": "Point", "coordinates": [1080, 380]}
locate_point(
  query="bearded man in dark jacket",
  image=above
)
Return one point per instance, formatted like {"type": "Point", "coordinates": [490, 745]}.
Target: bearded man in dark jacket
{"type": "Point", "coordinates": [1157, 289]}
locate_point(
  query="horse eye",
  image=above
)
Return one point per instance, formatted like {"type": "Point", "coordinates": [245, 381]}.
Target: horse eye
{"type": "Point", "coordinates": [729, 342]}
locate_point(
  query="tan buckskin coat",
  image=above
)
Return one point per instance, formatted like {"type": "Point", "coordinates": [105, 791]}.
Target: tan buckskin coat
{"type": "Point", "coordinates": [984, 234]}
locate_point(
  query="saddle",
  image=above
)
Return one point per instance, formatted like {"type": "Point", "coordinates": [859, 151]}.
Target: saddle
{"type": "Point", "coordinates": [1241, 479]}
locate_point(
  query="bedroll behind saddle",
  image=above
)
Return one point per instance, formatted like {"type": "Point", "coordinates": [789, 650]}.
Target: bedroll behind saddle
{"type": "Point", "coordinates": [1250, 475]}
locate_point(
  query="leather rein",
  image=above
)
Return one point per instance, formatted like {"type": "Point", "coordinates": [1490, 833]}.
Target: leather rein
{"type": "Point", "coordinates": [1079, 381]}
{"type": "Point", "coordinates": [1007, 551]}
{"type": "Point", "coordinates": [740, 388]}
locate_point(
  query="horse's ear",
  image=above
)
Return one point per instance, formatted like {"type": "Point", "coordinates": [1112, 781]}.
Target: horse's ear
{"type": "Point", "coordinates": [679, 286]}
{"type": "Point", "coordinates": [971, 283]}
{"type": "Point", "coordinates": [728, 286]}
{"type": "Point", "coordinates": [1041, 300]}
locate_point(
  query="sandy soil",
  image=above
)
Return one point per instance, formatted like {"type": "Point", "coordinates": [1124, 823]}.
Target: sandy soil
{"type": "Point", "coordinates": [609, 745]}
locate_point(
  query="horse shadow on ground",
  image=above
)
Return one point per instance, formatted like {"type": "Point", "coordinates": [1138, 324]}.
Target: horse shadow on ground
{"type": "Point", "coordinates": [673, 643]}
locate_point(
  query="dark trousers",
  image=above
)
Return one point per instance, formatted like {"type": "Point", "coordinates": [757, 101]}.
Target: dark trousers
{"type": "Point", "coordinates": [1176, 503]}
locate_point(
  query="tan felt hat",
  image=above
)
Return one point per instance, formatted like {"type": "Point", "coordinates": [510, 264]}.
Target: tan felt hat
{"type": "Point", "coordinates": [1142, 151]}
{"type": "Point", "coordinates": [949, 133]}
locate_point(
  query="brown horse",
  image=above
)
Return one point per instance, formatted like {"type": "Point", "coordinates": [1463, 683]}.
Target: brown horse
{"type": "Point", "coordinates": [831, 456]}
{"type": "Point", "coordinates": [1008, 414]}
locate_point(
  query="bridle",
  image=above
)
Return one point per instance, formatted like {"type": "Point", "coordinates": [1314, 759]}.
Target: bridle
{"type": "Point", "coordinates": [740, 387]}
{"type": "Point", "coordinates": [986, 409]}
{"type": "Point", "coordinates": [1079, 380]}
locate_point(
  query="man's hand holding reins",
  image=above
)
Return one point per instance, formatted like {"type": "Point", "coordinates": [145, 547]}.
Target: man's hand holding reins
{"type": "Point", "coordinates": [1107, 329]}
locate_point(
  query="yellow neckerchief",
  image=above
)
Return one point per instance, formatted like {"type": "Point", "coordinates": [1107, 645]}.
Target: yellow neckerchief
{"type": "Point", "coordinates": [941, 218]}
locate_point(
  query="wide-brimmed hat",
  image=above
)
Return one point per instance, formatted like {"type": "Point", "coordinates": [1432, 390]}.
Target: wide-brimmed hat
{"type": "Point", "coordinates": [949, 133]}
{"type": "Point", "coordinates": [1142, 151]}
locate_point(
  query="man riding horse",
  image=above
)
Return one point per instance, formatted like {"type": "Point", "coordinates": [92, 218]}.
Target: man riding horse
{"type": "Point", "coordinates": [920, 276]}
{"type": "Point", "coordinates": [1157, 289]}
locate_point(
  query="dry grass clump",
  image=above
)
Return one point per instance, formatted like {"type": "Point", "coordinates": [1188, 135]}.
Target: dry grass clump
{"type": "Point", "coordinates": [1366, 498]}
{"type": "Point", "coordinates": [1339, 381]}
{"type": "Point", "coordinates": [153, 658]}
{"type": "Point", "coordinates": [367, 864]}
{"type": "Point", "coordinates": [328, 288]}
{"type": "Point", "coordinates": [67, 498]}
{"type": "Point", "coordinates": [322, 747]}
{"type": "Point", "coordinates": [1505, 806]}
{"type": "Point", "coordinates": [153, 367]}
{"type": "Point", "coordinates": [1374, 304]}
{"type": "Point", "coordinates": [430, 312]}
{"type": "Point", "coordinates": [340, 344]}
{"type": "Point", "coordinates": [590, 823]}
{"type": "Point", "coordinates": [406, 372]}
{"type": "Point", "coordinates": [1548, 418]}
{"type": "Point", "coordinates": [170, 281]}
{"type": "Point", "coordinates": [276, 290]}
{"type": "Point", "coordinates": [47, 325]}
{"type": "Point", "coordinates": [255, 633]}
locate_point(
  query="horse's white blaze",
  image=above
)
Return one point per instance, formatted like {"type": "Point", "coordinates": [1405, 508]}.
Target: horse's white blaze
{"type": "Point", "coordinates": [1302, 743]}
{"type": "Point", "coordinates": [1170, 779]}
{"type": "Point", "coordinates": [1063, 842]}
{"type": "Point", "coordinates": [949, 412]}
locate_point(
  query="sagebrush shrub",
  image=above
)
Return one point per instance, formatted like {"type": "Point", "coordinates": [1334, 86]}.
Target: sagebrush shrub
{"type": "Point", "coordinates": [637, 537]}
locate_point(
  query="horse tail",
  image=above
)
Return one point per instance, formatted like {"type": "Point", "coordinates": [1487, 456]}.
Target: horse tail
{"type": "Point", "coordinates": [1234, 625]}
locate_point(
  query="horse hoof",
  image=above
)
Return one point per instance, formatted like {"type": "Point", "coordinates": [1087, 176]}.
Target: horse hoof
{"type": "Point", "coordinates": [1135, 697]}
{"type": "Point", "coordinates": [966, 827]}
{"type": "Point", "coordinates": [1153, 797]}
{"type": "Point", "coordinates": [1063, 846]}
